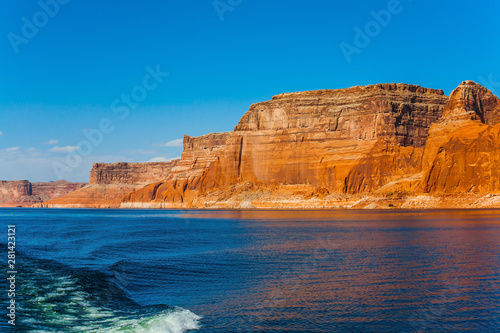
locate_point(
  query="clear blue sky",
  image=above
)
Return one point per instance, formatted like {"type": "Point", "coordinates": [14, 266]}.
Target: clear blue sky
{"type": "Point", "coordinates": [64, 78]}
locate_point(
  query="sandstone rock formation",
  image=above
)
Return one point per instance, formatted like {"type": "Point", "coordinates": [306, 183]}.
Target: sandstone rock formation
{"type": "Point", "coordinates": [316, 139]}
{"type": "Point", "coordinates": [378, 146]}
{"type": "Point", "coordinates": [25, 194]}
{"type": "Point", "coordinates": [15, 193]}
{"type": "Point", "coordinates": [129, 173]}
{"type": "Point", "coordinates": [51, 190]}
{"type": "Point", "coordinates": [388, 167]}
{"type": "Point", "coordinates": [110, 182]}
{"type": "Point", "coordinates": [462, 153]}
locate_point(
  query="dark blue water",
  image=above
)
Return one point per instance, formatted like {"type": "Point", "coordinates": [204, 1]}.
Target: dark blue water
{"type": "Point", "coordinates": [254, 271]}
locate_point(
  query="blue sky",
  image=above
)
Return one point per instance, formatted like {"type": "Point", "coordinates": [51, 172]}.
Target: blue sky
{"type": "Point", "coordinates": [60, 82]}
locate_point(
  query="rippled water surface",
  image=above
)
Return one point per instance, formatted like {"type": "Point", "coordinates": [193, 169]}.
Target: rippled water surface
{"type": "Point", "coordinates": [255, 271]}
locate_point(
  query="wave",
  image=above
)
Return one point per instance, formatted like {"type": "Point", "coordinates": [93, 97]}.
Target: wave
{"type": "Point", "coordinates": [52, 297]}
{"type": "Point", "coordinates": [177, 321]}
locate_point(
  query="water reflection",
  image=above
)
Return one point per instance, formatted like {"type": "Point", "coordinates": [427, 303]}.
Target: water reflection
{"type": "Point", "coordinates": [395, 272]}
{"type": "Point", "coordinates": [289, 271]}
{"type": "Point", "coordinates": [433, 215]}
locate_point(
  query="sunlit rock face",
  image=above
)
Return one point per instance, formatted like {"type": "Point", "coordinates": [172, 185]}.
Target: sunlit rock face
{"type": "Point", "coordinates": [315, 138]}
{"type": "Point", "coordinates": [109, 182]}
{"type": "Point", "coordinates": [357, 147]}
{"type": "Point", "coordinates": [462, 153]}
{"type": "Point", "coordinates": [129, 173]}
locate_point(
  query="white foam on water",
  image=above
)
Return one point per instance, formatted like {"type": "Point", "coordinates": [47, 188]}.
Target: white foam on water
{"type": "Point", "coordinates": [99, 320]}
{"type": "Point", "coordinates": [57, 302]}
{"type": "Point", "coordinates": [177, 320]}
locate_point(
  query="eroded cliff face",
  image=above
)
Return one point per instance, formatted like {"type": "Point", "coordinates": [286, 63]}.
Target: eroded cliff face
{"type": "Point", "coordinates": [129, 173]}
{"type": "Point", "coordinates": [327, 139]}
{"type": "Point", "coordinates": [25, 194]}
{"type": "Point", "coordinates": [381, 111]}
{"type": "Point", "coordinates": [109, 182]}
{"type": "Point", "coordinates": [462, 153]}
{"type": "Point", "coordinates": [15, 193]}
{"type": "Point", "coordinates": [387, 168]}
{"type": "Point", "coordinates": [51, 190]}
{"type": "Point", "coordinates": [471, 101]}
{"type": "Point", "coordinates": [379, 146]}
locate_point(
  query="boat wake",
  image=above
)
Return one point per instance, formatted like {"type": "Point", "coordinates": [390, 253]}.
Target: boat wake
{"type": "Point", "coordinates": [52, 297]}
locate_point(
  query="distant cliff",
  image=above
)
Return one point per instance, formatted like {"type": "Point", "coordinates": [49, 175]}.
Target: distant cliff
{"type": "Point", "coordinates": [383, 145]}
{"type": "Point", "coordinates": [25, 194]}
{"type": "Point", "coordinates": [108, 183]}
{"type": "Point", "coordinates": [129, 173]}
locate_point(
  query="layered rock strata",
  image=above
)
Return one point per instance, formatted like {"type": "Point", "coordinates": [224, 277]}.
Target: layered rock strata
{"type": "Point", "coordinates": [25, 194]}
{"type": "Point", "coordinates": [462, 154]}
{"type": "Point", "coordinates": [315, 139]}
{"type": "Point", "coordinates": [378, 146]}
{"type": "Point", "coordinates": [108, 183]}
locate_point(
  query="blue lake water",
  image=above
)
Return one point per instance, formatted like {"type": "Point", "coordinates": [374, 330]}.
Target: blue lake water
{"type": "Point", "coordinates": [82, 270]}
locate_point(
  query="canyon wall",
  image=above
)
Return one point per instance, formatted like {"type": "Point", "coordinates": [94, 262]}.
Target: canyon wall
{"type": "Point", "coordinates": [315, 139]}
{"type": "Point", "coordinates": [15, 193]}
{"type": "Point", "coordinates": [25, 194]}
{"type": "Point", "coordinates": [51, 190]}
{"type": "Point", "coordinates": [129, 173]}
{"type": "Point", "coordinates": [378, 146]}
{"type": "Point", "coordinates": [109, 182]}
{"type": "Point", "coordinates": [402, 112]}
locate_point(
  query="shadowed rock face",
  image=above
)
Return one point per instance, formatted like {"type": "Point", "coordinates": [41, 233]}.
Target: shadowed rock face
{"type": "Point", "coordinates": [14, 193]}
{"type": "Point", "coordinates": [387, 167]}
{"type": "Point", "coordinates": [51, 190]}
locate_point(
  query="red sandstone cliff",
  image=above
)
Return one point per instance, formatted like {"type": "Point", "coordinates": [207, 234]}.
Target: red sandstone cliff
{"type": "Point", "coordinates": [332, 141]}
{"type": "Point", "coordinates": [379, 146]}
{"type": "Point", "coordinates": [25, 194]}
{"type": "Point", "coordinates": [462, 154]}
{"type": "Point", "coordinates": [16, 193]}
{"type": "Point", "coordinates": [108, 183]}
